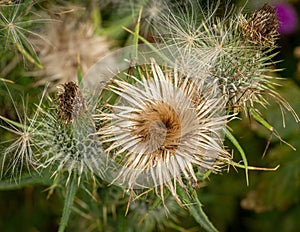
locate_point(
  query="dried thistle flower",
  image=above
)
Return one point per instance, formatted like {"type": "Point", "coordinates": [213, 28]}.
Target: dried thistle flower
{"type": "Point", "coordinates": [163, 130]}
{"type": "Point", "coordinates": [71, 43]}
{"type": "Point", "coordinates": [16, 20]}
{"type": "Point", "coordinates": [20, 155]}
{"type": "Point", "coordinates": [71, 102]}
{"type": "Point", "coordinates": [261, 28]}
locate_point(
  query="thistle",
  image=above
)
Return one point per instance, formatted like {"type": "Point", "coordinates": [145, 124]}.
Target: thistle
{"type": "Point", "coordinates": [68, 136]}
{"type": "Point", "coordinates": [262, 27]}
{"type": "Point", "coordinates": [16, 22]}
{"type": "Point", "coordinates": [20, 155]}
{"type": "Point", "coordinates": [156, 129]}
{"type": "Point", "coordinates": [73, 40]}
{"type": "Point", "coordinates": [163, 130]}
{"type": "Point", "coordinates": [237, 56]}
{"type": "Point", "coordinates": [62, 138]}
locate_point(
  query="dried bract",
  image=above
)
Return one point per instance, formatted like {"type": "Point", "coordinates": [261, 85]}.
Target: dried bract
{"type": "Point", "coordinates": [261, 28]}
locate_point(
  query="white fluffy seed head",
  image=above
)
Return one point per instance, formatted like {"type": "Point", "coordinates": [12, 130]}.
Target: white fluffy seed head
{"type": "Point", "coordinates": [71, 42]}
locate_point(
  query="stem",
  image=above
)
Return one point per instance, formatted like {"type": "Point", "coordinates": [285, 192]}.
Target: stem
{"type": "Point", "coordinates": [69, 200]}
{"type": "Point", "coordinates": [241, 151]}
{"type": "Point", "coordinates": [195, 208]}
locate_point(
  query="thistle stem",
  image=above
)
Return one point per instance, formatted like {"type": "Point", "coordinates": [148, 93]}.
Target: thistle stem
{"type": "Point", "coordinates": [69, 200]}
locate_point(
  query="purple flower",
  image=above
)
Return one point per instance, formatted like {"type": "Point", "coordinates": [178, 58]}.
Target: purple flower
{"type": "Point", "coordinates": [287, 17]}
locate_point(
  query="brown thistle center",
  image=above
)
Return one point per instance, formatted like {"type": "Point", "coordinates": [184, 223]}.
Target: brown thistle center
{"type": "Point", "coordinates": [158, 127]}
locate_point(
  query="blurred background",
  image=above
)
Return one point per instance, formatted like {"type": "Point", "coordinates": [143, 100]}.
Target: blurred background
{"type": "Point", "coordinates": [271, 202]}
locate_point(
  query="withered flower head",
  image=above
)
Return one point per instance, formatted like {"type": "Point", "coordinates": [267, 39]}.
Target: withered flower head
{"type": "Point", "coordinates": [163, 130]}
{"type": "Point", "coordinates": [261, 28]}
{"type": "Point", "coordinates": [71, 42]}
{"type": "Point", "coordinates": [71, 103]}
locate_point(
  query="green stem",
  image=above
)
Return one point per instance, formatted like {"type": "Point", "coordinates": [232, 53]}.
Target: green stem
{"type": "Point", "coordinates": [233, 140]}
{"type": "Point", "coordinates": [195, 208]}
{"type": "Point", "coordinates": [69, 200]}
{"type": "Point", "coordinates": [263, 122]}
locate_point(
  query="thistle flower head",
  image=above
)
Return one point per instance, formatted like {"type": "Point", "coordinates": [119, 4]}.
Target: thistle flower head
{"type": "Point", "coordinates": [71, 43]}
{"type": "Point", "coordinates": [62, 138]}
{"type": "Point", "coordinates": [261, 27]}
{"type": "Point", "coordinates": [15, 23]}
{"type": "Point", "coordinates": [162, 127]}
{"type": "Point", "coordinates": [68, 136]}
{"type": "Point", "coordinates": [20, 155]}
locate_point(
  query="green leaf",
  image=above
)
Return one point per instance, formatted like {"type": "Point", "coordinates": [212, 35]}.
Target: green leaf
{"type": "Point", "coordinates": [26, 180]}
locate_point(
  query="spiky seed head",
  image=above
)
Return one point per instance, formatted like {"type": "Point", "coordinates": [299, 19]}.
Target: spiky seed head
{"type": "Point", "coordinates": [261, 28]}
{"type": "Point", "coordinates": [68, 136]}
{"type": "Point", "coordinates": [23, 152]}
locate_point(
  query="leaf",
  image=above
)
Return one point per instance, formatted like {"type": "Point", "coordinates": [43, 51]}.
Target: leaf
{"type": "Point", "coordinates": [42, 178]}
